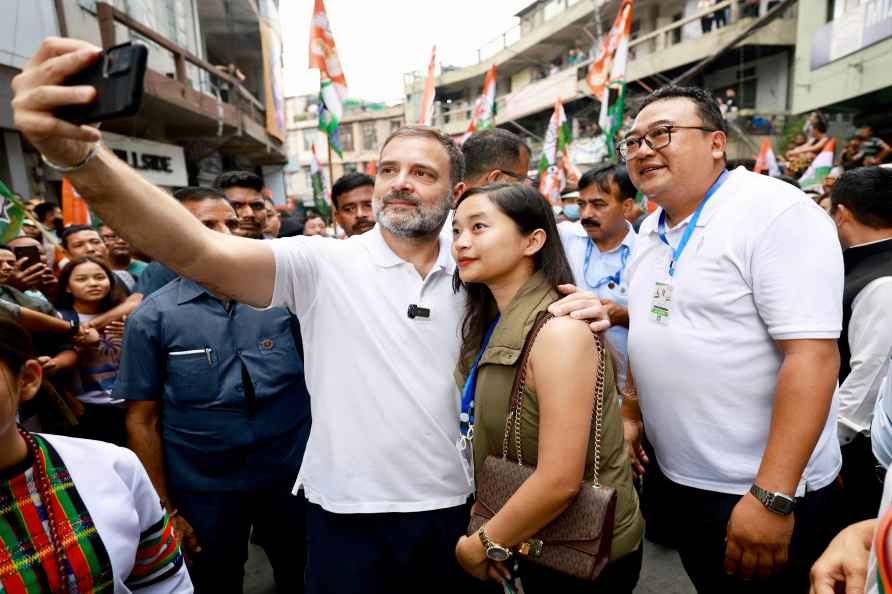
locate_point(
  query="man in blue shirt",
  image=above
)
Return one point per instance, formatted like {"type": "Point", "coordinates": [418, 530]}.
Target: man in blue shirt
{"type": "Point", "coordinates": [218, 412]}
{"type": "Point", "coordinates": [599, 247]}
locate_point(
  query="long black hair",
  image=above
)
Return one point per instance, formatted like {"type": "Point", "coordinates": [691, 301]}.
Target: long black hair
{"type": "Point", "coordinates": [115, 296]}
{"type": "Point", "coordinates": [15, 345]}
{"type": "Point", "coordinates": [530, 211]}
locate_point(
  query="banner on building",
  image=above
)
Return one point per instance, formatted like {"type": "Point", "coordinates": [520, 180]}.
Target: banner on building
{"type": "Point", "coordinates": [860, 26]}
{"type": "Point", "coordinates": [160, 163]}
{"type": "Point", "coordinates": [271, 41]}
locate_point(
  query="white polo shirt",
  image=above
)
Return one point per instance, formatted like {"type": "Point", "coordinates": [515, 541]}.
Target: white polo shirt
{"type": "Point", "coordinates": [384, 404]}
{"type": "Point", "coordinates": [763, 264]}
{"type": "Point", "coordinates": [601, 265]}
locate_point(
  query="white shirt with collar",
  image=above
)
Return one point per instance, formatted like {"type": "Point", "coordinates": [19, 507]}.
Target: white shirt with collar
{"type": "Point", "coordinates": [764, 264]}
{"type": "Point", "coordinates": [576, 244]}
{"type": "Point", "coordinates": [384, 405]}
{"type": "Point", "coordinates": [870, 342]}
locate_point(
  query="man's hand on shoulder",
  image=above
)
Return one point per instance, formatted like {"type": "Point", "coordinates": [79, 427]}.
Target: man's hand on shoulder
{"type": "Point", "coordinates": [581, 305]}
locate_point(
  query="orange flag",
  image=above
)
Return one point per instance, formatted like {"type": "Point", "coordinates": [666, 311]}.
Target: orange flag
{"type": "Point", "coordinates": [426, 114]}
{"type": "Point", "coordinates": [610, 65]}
{"type": "Point", "coordinates": [74, 209]}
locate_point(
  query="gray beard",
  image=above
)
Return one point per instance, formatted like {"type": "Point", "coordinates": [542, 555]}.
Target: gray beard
{"type": "Point", "coordinates": [425, 222]}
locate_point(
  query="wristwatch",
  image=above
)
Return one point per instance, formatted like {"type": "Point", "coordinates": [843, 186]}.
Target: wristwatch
{"type": "Point", "coordinates": [778, 503]}
{"type": "Point", "coordinates": [494, 552]}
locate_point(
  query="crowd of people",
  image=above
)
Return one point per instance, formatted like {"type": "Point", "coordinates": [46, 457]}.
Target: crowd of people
{"type": "Point", "coordinates": [196, 374]}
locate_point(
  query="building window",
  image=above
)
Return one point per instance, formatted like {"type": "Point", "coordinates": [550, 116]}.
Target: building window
{"type": "Point", "coordinates": [395, 125]}
{"type": "Point", "coordinates": [369, 136]}
{"type": "Point", "coordinates": [349, 167]}
{"type": "Point", "coordinates": [676, 33]}
{"type": "Point", "coordinates": [346, 133]}
{"type": "Point", "coordinates": [308, 179]}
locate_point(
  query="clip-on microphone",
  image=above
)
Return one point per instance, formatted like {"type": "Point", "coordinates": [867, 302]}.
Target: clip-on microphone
{"type": "Point", "coordinates": [418, 312]}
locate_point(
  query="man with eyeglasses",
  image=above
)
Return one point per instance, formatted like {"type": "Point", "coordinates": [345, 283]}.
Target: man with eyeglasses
{"type": "Point", "coordinates": [734, 304]}
{"type": "Point", "coordinates": [244, 192]}
{"type": "Point", "coordinates": [495, 155]}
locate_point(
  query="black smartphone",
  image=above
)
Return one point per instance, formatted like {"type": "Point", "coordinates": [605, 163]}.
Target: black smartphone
{"type": "Point", "coordinates": [27, 251]}
{"type": "Point", "coordinates": [118, 78]}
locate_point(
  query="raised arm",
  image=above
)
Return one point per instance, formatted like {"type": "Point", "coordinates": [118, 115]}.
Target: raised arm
{"type": "Point", "coordinates": [152, 221]}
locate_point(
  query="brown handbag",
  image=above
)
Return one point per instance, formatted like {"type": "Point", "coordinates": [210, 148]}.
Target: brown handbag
{"type": "Point", "coordinates": [576, 543]}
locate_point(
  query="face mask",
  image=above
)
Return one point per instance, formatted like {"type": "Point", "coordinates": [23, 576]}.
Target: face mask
{"type": "Point", "coordinates": [557, 210]}
{"type": "Point", "coordinates": [571, 211]}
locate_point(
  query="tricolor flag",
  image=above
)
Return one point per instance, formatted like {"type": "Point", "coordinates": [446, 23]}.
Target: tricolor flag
{"type": "Point", "coordinates": [332, 83]}
{"type": "Point", "coordinates": [317, 179]}
{"type": "Point", "coordinates": [820, 167]}
{"type": "Point", "coordinates": [12, 213]}
{"type": "Point", "coordinates": [426, 113]}
{"type": "Point", "coordinates": [484, 115]}
{"type": "Point", "coordinates": [552, 177]}
{"type": "Point", "coordinates": [766, 160]}
{"type": "Point", "coordinates": [609, 71]}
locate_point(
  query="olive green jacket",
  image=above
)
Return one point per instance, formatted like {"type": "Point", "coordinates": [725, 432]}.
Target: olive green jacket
{"type": "Point", "coordinates": [495, 378]}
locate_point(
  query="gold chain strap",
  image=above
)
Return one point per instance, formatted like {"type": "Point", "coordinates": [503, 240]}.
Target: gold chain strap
{"type": "Point", "coordinates": [516, 413]}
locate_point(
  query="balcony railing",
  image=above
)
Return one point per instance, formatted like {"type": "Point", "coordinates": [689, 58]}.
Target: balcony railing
{"type": "Point", "coordinates": [213, 81]}
{"type": "Point", "coordinates": [729, 11]}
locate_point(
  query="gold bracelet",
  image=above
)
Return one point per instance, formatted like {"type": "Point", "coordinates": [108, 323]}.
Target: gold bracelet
{"type": "Point", "coordinates": [69, 168]}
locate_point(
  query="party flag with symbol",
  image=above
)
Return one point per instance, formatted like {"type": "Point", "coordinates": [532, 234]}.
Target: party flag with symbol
{"type": "Point", "coordinates": [552, 177]}
{"type": "Point", "coordinates": [820, 167]}
{"type": "Point", "coordinates": [608, 72]}
{"type": "Point", "coordinates": [426, 115]}
{"type": "Point", "coordinates": [332, 83]}
{"type": "Point", "coordinates": [484, 115]}
{"type": "Point", "coordinates": [12, 213]}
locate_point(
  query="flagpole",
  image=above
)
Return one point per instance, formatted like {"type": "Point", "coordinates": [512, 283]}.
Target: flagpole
{"type": "Point", "coordinates": [334, 225]}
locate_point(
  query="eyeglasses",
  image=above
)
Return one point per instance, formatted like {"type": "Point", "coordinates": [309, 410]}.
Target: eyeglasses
{"type": "Point", "coordinates": [521, 178]}
{"type": "Point", "coordinates": [659, 137]}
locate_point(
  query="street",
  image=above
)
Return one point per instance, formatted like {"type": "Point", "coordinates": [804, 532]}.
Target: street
{"type": "Point", "coordinates": [661, 573]}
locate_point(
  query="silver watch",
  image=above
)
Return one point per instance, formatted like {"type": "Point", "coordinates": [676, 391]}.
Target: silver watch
{"type": "Point", "coordinates": [781, 504]}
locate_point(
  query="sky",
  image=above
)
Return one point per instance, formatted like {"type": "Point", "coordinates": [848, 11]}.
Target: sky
{"type": "Point", "coordinates": [380, 40]}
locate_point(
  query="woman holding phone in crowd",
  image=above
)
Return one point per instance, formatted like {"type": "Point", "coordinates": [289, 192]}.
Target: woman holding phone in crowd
{"type": "Point", "coordinates": [510, 262]}
{"type": "Point", "coordinates": [87, 288]}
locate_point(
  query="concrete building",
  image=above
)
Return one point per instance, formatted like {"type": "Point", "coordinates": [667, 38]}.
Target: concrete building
{"type": "Point", "coordinates": [363, 129]}
{"type": "Point", "coordinates": [546, 55]}
{"type": "Point", "coordinates": [844, 62]}
{"type": "Point", "coordinates": [212, 65]}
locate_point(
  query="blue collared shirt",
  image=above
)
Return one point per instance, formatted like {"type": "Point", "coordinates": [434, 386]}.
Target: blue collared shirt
{"type": "Point", "coordinates": [184, 348]}
{"type": "Point", "coordinates": [602, 265]}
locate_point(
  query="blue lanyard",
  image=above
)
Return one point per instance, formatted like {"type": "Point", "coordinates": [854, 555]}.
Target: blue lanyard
{"type": "Point", "coordinates": [615, 278]}
{"type": "Point", "coordinates": [676, 253]}
{"type": "Point", "coordinates": [467, 396]}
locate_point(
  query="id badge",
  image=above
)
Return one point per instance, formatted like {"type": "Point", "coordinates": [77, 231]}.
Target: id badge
{"type": "Point", "coordinates": [661, 306]}
{"type": "Point", "coordinates": [466, 452]}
